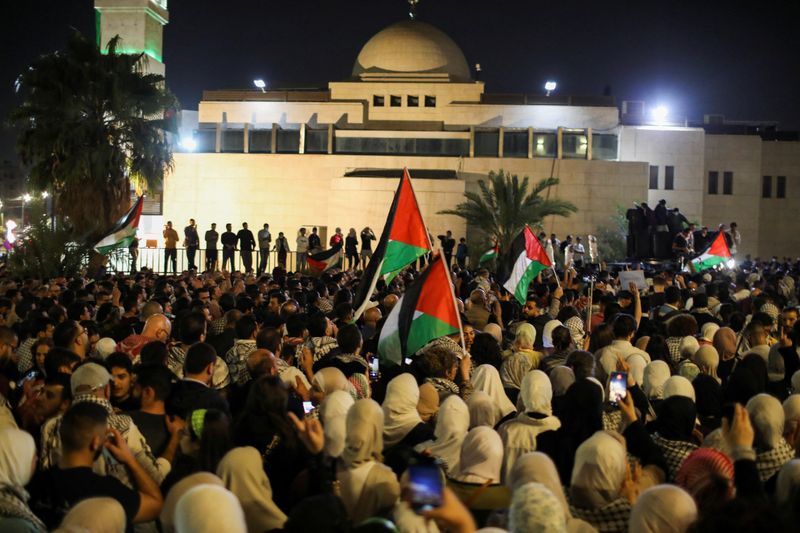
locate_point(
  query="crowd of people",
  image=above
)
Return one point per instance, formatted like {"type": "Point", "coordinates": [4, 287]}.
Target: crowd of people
{"type": "Point", "coordinates": [254, 402]}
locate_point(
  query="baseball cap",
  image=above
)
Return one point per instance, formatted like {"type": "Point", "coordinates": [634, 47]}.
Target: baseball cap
{"type": "Point", "coordinates": [88, 377]}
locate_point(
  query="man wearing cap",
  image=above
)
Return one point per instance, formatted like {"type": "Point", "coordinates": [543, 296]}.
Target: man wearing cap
{"type": "Point", "coordinates": [90, 383]}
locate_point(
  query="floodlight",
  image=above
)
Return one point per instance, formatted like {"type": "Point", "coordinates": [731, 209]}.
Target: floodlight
{"type": "Point", "coordinates": [660, 113]}
{"type": "Point", "coordinates": [188, 144]}
{"type": "Point", "coordinates": [45, 194]}
{"type": "Point", "coordinates": [26, 197]}
{"type": "Point", "coordinates": [550, 86]}
{"type": "Point", "coordinates": [261, 84]}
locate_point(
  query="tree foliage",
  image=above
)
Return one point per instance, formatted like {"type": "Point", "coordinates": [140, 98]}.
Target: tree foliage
{"type": "Point", "coordinates": [91, 124]}
{"type": "Point", "coordinates": [503, 206]}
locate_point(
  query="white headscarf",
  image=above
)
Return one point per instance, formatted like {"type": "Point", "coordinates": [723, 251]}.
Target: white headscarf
{"type": "Point", "coordinates": [707, 359]}
{"type": "Point", "coordinates": [242, 471]}
{"type": "Point", "coordinates": [796, 382]}
{"type": "Point", "coordinates": [486, 378]}
{"type": "Point", "coordinates": [452, 425]}
{"type": "Point", "coordinates": [599, 470]}
{"type": "Point", "coordinates": [17, 450]}
{"type": "Point", "coordinates": [482, 410]}
{"type": "Point", "coordinates": [481, 456]}
{"type": "Point", "coordinates": [536, 467]}
{"type": "Point", "coordinates": [561, 378]}
{"type": "Point", "coordinates": [400, 413]}
{"type": "Point", "coordinates": [168, 516]}
{"type": "Point", "coordinates": [495, 331]}
{"type": "Point", "coordinates": [209, 509]}
{"type": "Point", "coordinates": [663, 509]}
{"type": "Point", "coordinates": [688, 347]}
{"type": "Point", "coordinates": [766, 414]}
{"type": "Point", "coordinates": [536, 393]}
{"type": "Point", "coordinates": [525, 336]}
{"type": "Point", "coordinates": [678, 386]}
{"type": "Point", "coordinates": [791, 413]}
{"type": "Point", "coordinates": [514, 369]}
{"type": "Point", "coordinates": [364, 441]}
{"type": "Point", "coordinates": [708, 330]}
{"type": "Point", "coordinates": [333, 413]}
{"type": "Point", "coordinates": [94, 515]}
{"type": "Point", "coordinates": [534, 509]}
{"type": "Point", "coordinates": [788, 481]}
{"type": "Point", "coordinates": [330, 379]}
{"type": "Point", "coordinates": [656, 373]}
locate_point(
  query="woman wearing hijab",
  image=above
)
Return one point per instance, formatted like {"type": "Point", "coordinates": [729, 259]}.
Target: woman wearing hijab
{"type": "Point", "coordinates": [93, 515]}
{"type": "Point", "coordinates": [709, 401]}
{"type": "Point", "coordinates": [403, 427]}
{"type": "Point", "coordinates": [326, 381]}
{"type": "Point", "coordinates": [725, 343]}
{"type": "Point", "coordinates": [477, 484]}
{"type": "Point", "coordinates": [524, 340]}
{"type": "Point", "coordinates": [536, 467]}
{"type": "Point", "coordinates": [366, 486]}
{"type": "Point", "coordinates": [333, 412]}
{"type": "Point", "coordinates": [707, 360]}
{"type": "Point", "coordinates": [787, 489]}
{"type": "Point", "coordinates": [580, 417]}
{"type": "Point", "coordinates": [748, 378]}
{"type": "Point", "coordinates": [452, 425]}
{"type": "Point", "coordinates": [673, 436]}
{"type": "Point", "coordinates": [209, 509]}
{"type": "Point", "coordinates": [663, 509]}
{"type": "Point", "coordinates": [167, 516]}
{"type": "Point", "coordinates": [243, 475]}
{"type": "Point", "coordinates": [678, 386]}
{"type": "Point", "coordinates": [482, 410]}
{"type": "Point", "coordinates": [17, 456]}
{"type": "Point", "coordinates": [656, 374]}
{"type": "Point", "coordinates": [522, 433]}
{"type": "Point", "coordinates": [596, 492]}
{"type": "Point", "coordinates": [534, 508]}
{"type": "Point", "coordinates": [772, 450]}
{"type": "Point", "coordinates": [428, 404]}
{"type": "Point", "coordinates": [512, 371]}
{"type": "Point", "coordinates": [486, 378]}
{"type": "Point", "coordinates": [561, 378]}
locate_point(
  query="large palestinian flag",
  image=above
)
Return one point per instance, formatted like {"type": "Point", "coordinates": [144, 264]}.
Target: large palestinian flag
{"type": "Point", "coordinates": [521, 264]}
{"type": "Point", "coordinates": [325, 260]}
{"type": "Point", "coordinates": [716, 254]}
{"type": "Point", "coordinates": [426, 311]}
{"type": "Point", "coordinates": [123, 233]}
{"type": "Point", "coordinates": [404, 239]}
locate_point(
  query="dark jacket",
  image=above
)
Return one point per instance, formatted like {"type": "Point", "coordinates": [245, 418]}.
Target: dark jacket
{"type": "Point", "coordinates": [189, 395]}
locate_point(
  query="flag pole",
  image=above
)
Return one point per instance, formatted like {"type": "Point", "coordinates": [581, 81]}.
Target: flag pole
{"type": "Point", "coordinates": [453, 296]}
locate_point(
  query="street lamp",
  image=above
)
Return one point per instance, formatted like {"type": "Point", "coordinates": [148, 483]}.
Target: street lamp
{"type": "Point", "coordinates": [660, 114]}
{"type": "Point", "coordinates": [550, 86]}
{"type": "Point", "coordinates": [45, 194]}
{"type": "Point", "coordinates": [261, 84]}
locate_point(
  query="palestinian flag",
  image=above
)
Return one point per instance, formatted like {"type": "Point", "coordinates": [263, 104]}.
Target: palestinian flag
{"type": "Point", "coordinates": [521, 264]}
{"type": "Point", "coordinates": [325, 260]}
{"type": "Point", "coordinates": [123, 233]}
{"type": "Point", "coordinates": [489, 255]}
{"type": "Point", "coordinates": [425, 312]}
{"type": "Point", "coordinates": [716, 254]}
{"type": "Point", "coordinates": [404, 239]}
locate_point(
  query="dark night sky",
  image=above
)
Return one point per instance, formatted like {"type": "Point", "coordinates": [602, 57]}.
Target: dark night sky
{"type": "Point", "coordinates": [695, 57]}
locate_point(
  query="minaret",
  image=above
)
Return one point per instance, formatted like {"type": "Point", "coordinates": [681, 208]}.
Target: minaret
{"type": "Point", "coordinates": [140, 25]}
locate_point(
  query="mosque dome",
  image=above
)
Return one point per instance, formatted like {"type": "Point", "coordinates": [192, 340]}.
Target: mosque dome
{"type": "Point", "coordinates": [412, 47]}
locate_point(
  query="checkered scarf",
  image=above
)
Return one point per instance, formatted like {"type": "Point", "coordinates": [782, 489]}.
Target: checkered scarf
{"type": "Point", "coordinates": [610, 518]}
{"type": "Point", "coordinates": [769, 462]}
{"type": "Point", "coordinates": [675, 453]}
{"type": "Point", "coordinates": [674, 345]}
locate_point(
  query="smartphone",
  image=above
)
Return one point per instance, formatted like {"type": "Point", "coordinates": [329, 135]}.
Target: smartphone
{"type": "Point", "coordinates": [373, 369]}
{"type": "Point", "coordinates": [308, 407]}
{"type": "Point", "coordinates": [425, 483]}
{"type": "Point", "coordinates": [33, 374]}
{"type": "Point", "coordinates": [617, 387]}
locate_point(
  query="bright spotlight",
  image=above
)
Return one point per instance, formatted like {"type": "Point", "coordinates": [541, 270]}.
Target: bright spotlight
{"type": "Point", "coordinates": [550, 86]}
{"type": "Point", "coordinates": [26, 197]}
{"type": "Point", "coordinates": [188, 144]}
{"type": "Point", "coordinates": [731, 263]}
{"type": "Point", "coordinates": [660, 113]}
{"type": "Point", "coordinates": [261, 84]}
{"type": "Point", "coordinates": [45, 194]}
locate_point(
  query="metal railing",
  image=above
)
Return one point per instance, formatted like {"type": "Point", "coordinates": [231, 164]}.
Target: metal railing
{"type": "Point", "coordinates": [155, 260]}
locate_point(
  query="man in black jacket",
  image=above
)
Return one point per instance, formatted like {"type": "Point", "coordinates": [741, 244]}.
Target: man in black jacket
{"type": "Point", "coordinates": [229, 241]}
{"type": "Point", "coordinates": [246, 245]}
{"type": "Point", "coordinates": [194, 390]}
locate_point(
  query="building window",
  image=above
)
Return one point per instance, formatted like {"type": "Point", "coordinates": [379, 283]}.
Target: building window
{"type": "Point", "coordinates": [377, 101]}
{"type": "Point", "coordinates": [412, 101]}
{"type": "Point", "coordinates": [781, 187]}
{"type": "Point", "coordinates": [604, 146]}
{"type": "Point", "coordinates": [430, 101]}
{"type": "Point", "coordinates": [544, 144]}
{"type": "Point", "coordinates": [395, 101]}
{"type": "Point", "coordinates": [727, 182]}
{"type": "Point", "coordinates": [669, 178]}
{"type": "Point", "coordinates": [653, 177]}
{"type": "Point", "coordinates": [573, 145]}
{"type": "Point", "coordinates": [487, 143]}
{"type": "Point", "coordinates": [515, 144]}
{"type": "Point", "coordinates": [713, 182]}
{"type": "Point", "coordinates": [766, 187]}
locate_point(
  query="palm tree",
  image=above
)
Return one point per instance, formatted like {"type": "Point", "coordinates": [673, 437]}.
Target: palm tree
{"type": "Point", "coordinates": [504, 206]}
{"type": "Point", "coordinates": [91, 125]}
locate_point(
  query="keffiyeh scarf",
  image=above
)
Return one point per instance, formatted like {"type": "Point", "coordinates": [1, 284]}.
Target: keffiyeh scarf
{"type": "Point", "coordinates": [611, 518]}
{"type": "Point", "coordinates": [675, 452]}
{"type": "Point", "coordinates": [770, 462]}
{"type": "Point", "coordinates": [13, 505]}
